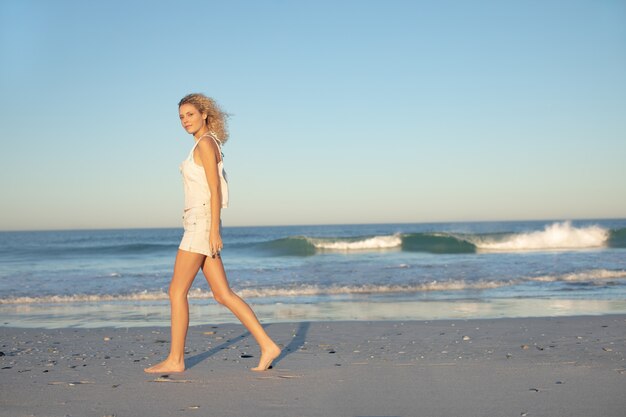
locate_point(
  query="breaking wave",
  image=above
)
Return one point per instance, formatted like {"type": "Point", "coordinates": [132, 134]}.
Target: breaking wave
{"type": "Point", "coordinates": [556, 236]}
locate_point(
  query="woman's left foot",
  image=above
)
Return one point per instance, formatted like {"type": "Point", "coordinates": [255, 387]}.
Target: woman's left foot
{"type": "Point", "coordinates": [267, 357]}
{"type": "Point", "coordinates": [166, 367]}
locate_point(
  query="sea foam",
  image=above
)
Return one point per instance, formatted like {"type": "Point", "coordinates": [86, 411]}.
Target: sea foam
{"type": "Point", "coordinates": [376, 242]}
{"type": "Point", "coordinates": [308, 290]}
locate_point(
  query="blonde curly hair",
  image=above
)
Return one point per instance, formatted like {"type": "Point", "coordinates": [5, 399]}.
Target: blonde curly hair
{"type": "Point", "coordinates": [216, 120]}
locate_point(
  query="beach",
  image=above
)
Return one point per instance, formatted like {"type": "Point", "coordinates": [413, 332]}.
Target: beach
{"type": "Point", "coordinates": [443, 319]}
{"type": "Point", "coordinates": [544, 366]}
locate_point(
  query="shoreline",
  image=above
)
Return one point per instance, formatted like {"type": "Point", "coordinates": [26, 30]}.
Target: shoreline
{"type": "Point", "coordinates": [204, 312]}
{"type": "Point", "coordinates": [542, 366]}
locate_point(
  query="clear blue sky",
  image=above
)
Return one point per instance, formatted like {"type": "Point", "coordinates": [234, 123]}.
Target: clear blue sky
{"type": "Point", "coordinates": [342, 111]}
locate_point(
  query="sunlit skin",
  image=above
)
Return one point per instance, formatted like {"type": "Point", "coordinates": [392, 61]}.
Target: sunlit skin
{"type": "Point", "coordinates": [187, 263]}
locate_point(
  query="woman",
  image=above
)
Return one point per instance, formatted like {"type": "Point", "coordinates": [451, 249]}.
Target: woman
{"type": "Point", "coordinates": [206, 193]}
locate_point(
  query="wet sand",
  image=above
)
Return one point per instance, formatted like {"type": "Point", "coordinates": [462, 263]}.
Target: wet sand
{"type": "Point", "coordinates": [558, 366]}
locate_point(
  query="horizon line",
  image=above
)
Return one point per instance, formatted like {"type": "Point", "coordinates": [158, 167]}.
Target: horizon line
{"type": "Point", "coordinates": [322, 224]}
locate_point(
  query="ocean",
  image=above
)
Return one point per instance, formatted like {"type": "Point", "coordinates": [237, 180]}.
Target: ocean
{"type": "Point", "coordinates": [119, 278]}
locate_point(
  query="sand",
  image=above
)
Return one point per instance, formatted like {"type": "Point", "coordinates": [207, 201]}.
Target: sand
{"type": "Point", "coordinates": [565, 366]}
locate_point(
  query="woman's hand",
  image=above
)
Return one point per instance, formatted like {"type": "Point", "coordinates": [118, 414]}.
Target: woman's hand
{"type": "Point", "coordinates": [215, 243]}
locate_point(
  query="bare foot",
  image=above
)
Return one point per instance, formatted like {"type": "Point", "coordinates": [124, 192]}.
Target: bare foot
{"type": "Point", "coordinates": [267, 357]}
{"type": "Point", "coordinates": [166, 367]}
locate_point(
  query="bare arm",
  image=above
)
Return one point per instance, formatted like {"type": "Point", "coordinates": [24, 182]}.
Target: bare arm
{"type": "Point", "coordinates": [209, 155]}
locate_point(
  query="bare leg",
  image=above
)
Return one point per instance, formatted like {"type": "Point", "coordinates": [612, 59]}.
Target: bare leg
{"type": "Point", "coordinates": [213, 270]}
{"type": "Point", "coordinates": [186, 267]}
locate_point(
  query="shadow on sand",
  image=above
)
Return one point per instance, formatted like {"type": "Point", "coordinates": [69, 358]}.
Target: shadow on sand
{"type": "Point", "coordinates": [296, 343]}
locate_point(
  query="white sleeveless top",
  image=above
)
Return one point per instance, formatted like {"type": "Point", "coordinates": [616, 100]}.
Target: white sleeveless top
{"type": "Point", "coordinates": [196, 187]}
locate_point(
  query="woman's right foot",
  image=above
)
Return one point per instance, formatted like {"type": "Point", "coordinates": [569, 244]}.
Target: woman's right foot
{"type": "Point", "coordinates": [166, 367]}
{"type": "Point", "coordinates": [267, 357]}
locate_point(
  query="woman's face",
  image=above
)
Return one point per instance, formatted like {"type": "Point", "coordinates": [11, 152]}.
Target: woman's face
{"type": "Point", "coordinates": [191, 118]}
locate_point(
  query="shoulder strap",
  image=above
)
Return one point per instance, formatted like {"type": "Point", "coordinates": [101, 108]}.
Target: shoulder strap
{"type": "Point", "coordinates": [215, 139]}
{"type": "Point", "coordinates": [190, 156]}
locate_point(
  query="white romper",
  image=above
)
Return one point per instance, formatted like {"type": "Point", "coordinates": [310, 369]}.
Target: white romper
{"type": "Point", "coordinates": [197, 213]}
